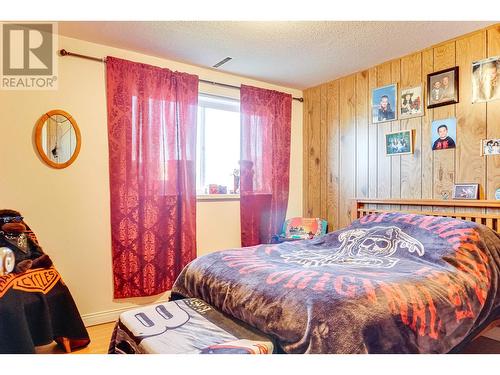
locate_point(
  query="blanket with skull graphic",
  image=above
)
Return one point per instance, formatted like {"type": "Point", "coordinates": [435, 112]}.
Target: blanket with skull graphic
{"type": "Point", "coordinates": [370, 247]}
{"type": "Point", "coordinates": [388, 283]}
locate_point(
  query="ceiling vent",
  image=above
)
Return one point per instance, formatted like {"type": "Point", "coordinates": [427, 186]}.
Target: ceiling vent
{"type": "Point", "coordinates": [222, 62]}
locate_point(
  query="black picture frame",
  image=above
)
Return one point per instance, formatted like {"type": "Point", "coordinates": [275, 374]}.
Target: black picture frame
{"type": "Point", "coordinates": [431, 102]}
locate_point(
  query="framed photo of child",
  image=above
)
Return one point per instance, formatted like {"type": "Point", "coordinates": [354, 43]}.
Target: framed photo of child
{"type": "Point", "coordinates": [442, 88]}
{"type": "Point", "coordinates": [444, 134]}
{"type": "Point", "coordinates": [384, 103]}
{"type": "Point", "coordinates": [411, 103]}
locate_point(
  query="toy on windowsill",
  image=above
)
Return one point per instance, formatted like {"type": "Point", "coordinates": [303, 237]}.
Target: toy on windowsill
{"type": "Point", "coordinates": [217, 189]}
{"type": "Point", "coordinates": [17, 236]}
{"type": "Point", "coordinates": [236, 181]}
{"type": "Point", "coordinates": [213, 189]}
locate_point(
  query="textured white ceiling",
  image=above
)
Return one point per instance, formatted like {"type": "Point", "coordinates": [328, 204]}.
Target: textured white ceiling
{"type": "Point", "coordinates": [293, 54]}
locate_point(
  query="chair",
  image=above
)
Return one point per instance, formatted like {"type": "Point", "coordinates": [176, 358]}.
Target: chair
{"type": "Point", "coordinates": [300, 228]}
{"type": "Point", "coordinates": [36, 306]}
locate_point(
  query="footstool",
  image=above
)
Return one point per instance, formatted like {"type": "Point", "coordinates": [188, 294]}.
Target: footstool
{"type": "Point", "coordinates": [184, 326]}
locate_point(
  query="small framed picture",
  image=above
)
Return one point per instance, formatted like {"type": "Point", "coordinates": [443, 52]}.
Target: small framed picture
{"type": "Point", "coordinates": [466, 191]}
{"type": "Point", "coordinates": [399, 143]}
{"type": "Point", "coordinates": [444, 133]}
{"type": "Point", "coordinates": [384, 104]}
{"type": "Point", "coordinates": [411, 103]}
{"type": "Point", "coordinates": [490, 147]}
{"type": "Point", "coordinates": [486, 80]}
{"type": "Point", "coordinates": [442, 87]}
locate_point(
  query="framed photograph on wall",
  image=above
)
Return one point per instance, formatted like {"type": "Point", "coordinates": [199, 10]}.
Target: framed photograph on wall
{"type": "Point", "coordinates": [442, 88]}
{"type": "Point", "coordinates": [466, 191]}
{"type": "Point", "coordinates": [444, 133]}
{"type": "Point", "coordinates": [399, 143]}
{"type": "Point", "coordinates": [411, 103]}
{"type": "Point", "coordinates": [490, 147]}
{"type": "Point", "coordinates": [486, 80]}
{"type": "Point", "coordinates": [384, 103]}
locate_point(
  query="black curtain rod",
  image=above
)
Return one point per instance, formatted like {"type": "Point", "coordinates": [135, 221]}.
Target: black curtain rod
{"type": "Point", "coordinates": [63, 52]}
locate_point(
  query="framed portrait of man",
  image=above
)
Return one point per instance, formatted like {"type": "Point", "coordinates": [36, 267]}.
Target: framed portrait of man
{"type": "Point", "coordinates": [384, 104]}
{"type": "Point", "coordinates": [442, 87]}
{"type": "Point", "coordinates": [486, 80]}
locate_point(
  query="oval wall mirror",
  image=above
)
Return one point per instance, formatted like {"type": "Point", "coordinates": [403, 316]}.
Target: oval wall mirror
{"type": "Point", "coordinates": [57, 138]}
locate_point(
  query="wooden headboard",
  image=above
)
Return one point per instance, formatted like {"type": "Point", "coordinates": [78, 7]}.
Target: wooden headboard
{"type": "Point", "coordinates": [485, 212]}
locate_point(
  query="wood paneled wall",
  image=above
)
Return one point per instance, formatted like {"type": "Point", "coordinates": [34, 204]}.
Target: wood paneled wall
{"type": "Point", "coordinates": [344, 153]}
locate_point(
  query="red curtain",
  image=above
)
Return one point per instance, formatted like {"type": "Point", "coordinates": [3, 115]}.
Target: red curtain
{"type": "Point", "coordinates": [264, 164]}
{"type": "Point", "coordinates": [152, 159]}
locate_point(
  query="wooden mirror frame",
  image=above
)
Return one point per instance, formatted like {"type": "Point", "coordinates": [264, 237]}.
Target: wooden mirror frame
{"type": "Point", "coordinates": [38, 138]}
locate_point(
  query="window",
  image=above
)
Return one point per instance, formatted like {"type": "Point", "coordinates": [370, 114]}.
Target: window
{"type": "Point", "coordinates": [218, 142]}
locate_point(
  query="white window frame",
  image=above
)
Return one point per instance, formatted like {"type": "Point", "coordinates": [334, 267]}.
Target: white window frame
{"type": "Point", "coordinates": [216, 102]}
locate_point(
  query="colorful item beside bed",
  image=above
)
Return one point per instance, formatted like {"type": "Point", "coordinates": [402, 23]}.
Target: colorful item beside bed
{"type": "Point", "coordinates": [303, 228]}
{"type": "Point", "coordinates": [300, 228]}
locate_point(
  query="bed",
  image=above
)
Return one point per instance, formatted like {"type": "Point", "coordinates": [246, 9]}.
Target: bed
{"type": "Point", "coordinates": [404, 277]}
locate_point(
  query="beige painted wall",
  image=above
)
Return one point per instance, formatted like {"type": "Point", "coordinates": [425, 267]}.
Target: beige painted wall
{"type": "Point", "coordinates": [69, 209]}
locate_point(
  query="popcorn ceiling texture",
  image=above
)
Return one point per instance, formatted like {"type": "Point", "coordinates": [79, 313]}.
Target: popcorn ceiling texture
{"type": "Point", "coordinates": [292, 54]}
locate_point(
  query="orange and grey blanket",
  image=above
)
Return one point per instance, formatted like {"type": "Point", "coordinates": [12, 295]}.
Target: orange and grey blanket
{"type": "Point", "coordinates": [389, 283]}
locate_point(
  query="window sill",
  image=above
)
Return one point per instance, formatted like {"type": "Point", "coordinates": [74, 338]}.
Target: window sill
{"type": "Point", "coordinates": [217, 197]}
